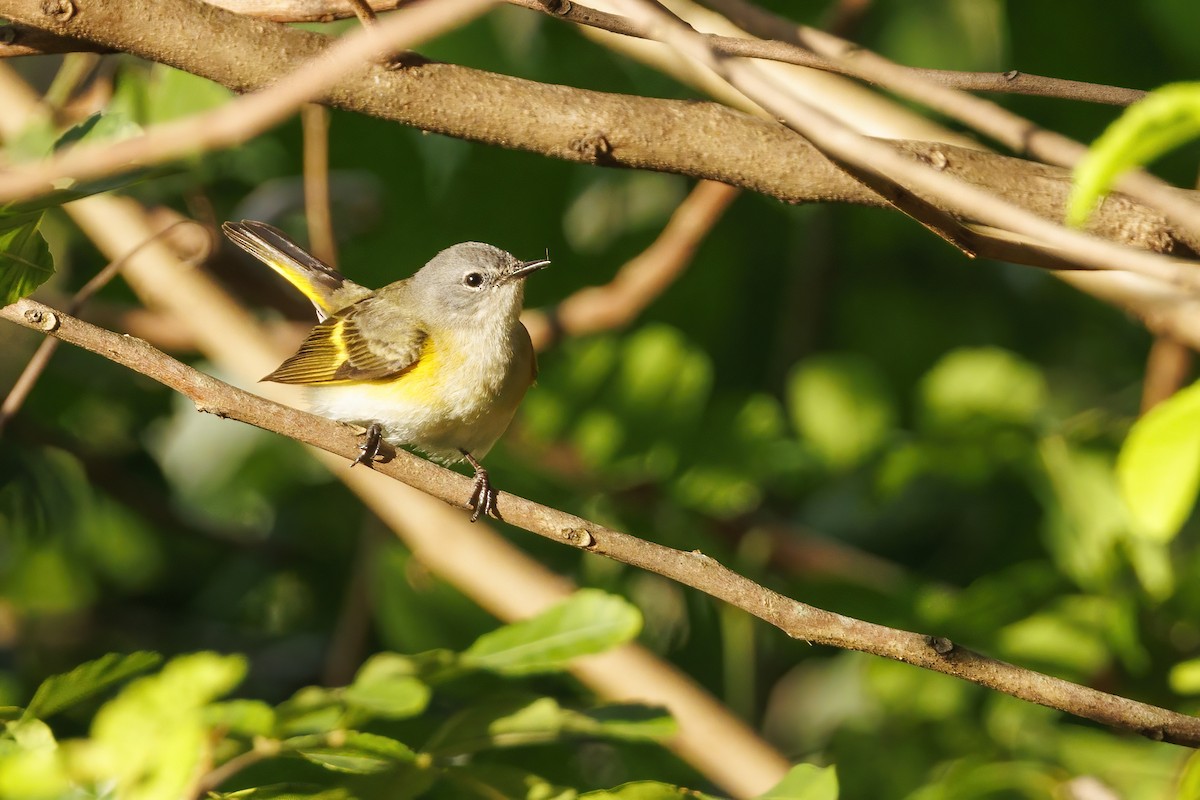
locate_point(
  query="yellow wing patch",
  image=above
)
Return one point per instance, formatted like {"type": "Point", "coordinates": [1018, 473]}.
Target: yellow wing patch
{"type": "Point", "coordinates": [336, 352]}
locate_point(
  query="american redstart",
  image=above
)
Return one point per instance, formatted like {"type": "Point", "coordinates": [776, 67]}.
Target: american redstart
{"type": "Point", "coordinates": [438, 361]}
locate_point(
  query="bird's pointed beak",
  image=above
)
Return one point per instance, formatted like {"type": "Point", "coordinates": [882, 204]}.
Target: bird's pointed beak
{"type": "Point", "coordinates": [527, 268]}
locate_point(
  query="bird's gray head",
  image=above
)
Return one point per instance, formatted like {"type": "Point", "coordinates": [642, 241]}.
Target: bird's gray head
{"type": "Point", "coordinates": [475, 283]}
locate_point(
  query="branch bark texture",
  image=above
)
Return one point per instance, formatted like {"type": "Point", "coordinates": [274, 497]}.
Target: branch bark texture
{"type": "Point", "coordinates": [697, 139]}
{"type": "Point", "coordinates": [796, 619]}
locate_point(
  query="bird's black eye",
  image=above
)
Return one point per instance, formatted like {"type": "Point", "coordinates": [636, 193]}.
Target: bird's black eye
{"type": "Point", "coordinates": [473, 279]}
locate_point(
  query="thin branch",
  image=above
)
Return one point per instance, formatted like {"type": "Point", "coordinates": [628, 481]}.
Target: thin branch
{"type": "Point", "coordinates": [922, 190]}
{"type": "Point", "coordinates": [1011, 82]}
{"type": "Point", "coordinates": [45, 350]}
{"type": "Point", "coordinates": [1017, 133]}
{"type": "Point", "coordinates": [364, 12]}
{"type": "Point", "coordinates": [314, 121]}
{"type": "Point", "coordinates": [244, 117]}
{"type": "Point", "coordinates": [1168, 367]}
{"type": "Point", "coordinates": [642, 279]}
{"type": "Point", "coordinates": [694, 569]}
{"type": "Point", "coordinates": [578, 125]}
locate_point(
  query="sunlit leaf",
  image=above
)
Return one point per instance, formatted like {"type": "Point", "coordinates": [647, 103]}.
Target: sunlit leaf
{"type": "Point", "coordinates": [310, 710]}
{"type": "Point", "coordinates": [1159, 466]}
{"type": "Point", "coordinates": [982, 383]}
{"type": "Point", "coordinates": [87, 680]}
{"type": "Point", "coordinates": [519, 721]}
{"type": "Point", "coordinates": [841, 406]}
{"type": "Point", "coordinates": [1161, 121]}
{"type": "Point", "coordinates": [286, 791]}
{"type": "Point", "coordinates": [386, 687]}
{"type": "Point", "coordinates": [1184, 677]}
{"type": "Point", "coordinates": [359, 753]}
{"type": "Point", "coordinates": [646, 790]}
{"type": "Point", "coordinates": [247, 718]}
{"type": "Point", "coordinates": [1189, 781]}
{"type": "Point", "coordinates": [34, 774]}
{"type": "Point", "coordinates": [25, 260]}
{"type": "Point", "coordinates": [590, 621]}
{"type": "Point", "coordinates": [149, 740]}
{"type": "Point", "coordinates": [805, 782]}
{"type": "Point", "coordinates": [502, 782]}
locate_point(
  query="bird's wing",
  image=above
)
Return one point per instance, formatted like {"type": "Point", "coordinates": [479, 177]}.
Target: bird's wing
{"type": "Point", "coordinates": [336, 351]}
{"type": "Point", "coordinates": [327, 288]}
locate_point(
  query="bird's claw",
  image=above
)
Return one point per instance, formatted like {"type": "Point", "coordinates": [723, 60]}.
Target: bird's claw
{"type": "Point", "coordinates": [483, 496]}
{"type": "Point", "coordinates": [368, 451]}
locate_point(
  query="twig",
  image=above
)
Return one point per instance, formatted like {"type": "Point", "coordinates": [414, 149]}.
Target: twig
{"type": "Point", "coordinates": [314, 120]}
{"type": "Point", "coordinates": [583, 126]}
{"type": "Point", "coordinates": [642, 279]}
{"type": "Point", "coordinates": [45, 350]}
{"type": "Point", "coordinates": [924, 191]}
{"type": "Point", "coordinates": [1015, 132]}
{"type": "Point", "coordinates": [364, 12]}
{"type": "Point", "coordinates": [244, 117]}
{"type": "Point", "coordinates": [1167, 369]}
{"type": "Point", "coordinates": [1012, 82]}
{"type": "Point", "coordinates": [212, 780]}
{"type": "Point", "coordinates": [798, 620]}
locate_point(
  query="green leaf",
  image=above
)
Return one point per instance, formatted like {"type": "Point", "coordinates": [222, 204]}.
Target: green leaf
{"type": "Point", "coordinates": [1161, 121]}
{"type": "Point", "coordinates": [841, 406]}
{"type": "Point", "coordinates": [32, 774]}
{"type": "Point", "coordinates": [242, 717]}
{"type": "Point", "coordinates": [150, 739]}
{"type": "Point", "coordinates": [982, 384]}
{"type": "Point", "coordinates": [1184, 677]}
{"type": "Point", "coordinates": [518, 721]}
{"type": "Point", "coordinates": [94, 129]}
{"type": "Point", "coordinates": [501, 782]}
{"type": "Point", "coordinates": [175, 94]}
{"type": "Point", "coordinates": [311, 710]}
{"type": "Point", "coordinates": [25, 260]}
{"type": "Point", "coordinates": [359, 753]}
{"type": "Point", "coordinates": [805, 782]}
{"type": "Point", "coordinates": [31, 734]}
{"type": "Point", "coordinates": [1158, 468]}
{"type": "Point", "coordinates": [386, 687]}
{"type": "Point", "coordinates": [1189, 781]}
{"type": "Point", "coordinates": [88, 679]}
{"type": "Point", "coordinates": [590, 621]}
{"type": "Point", "coordinates": [646, 790]}
{"type": "Point", "coordinates": [286, 791]}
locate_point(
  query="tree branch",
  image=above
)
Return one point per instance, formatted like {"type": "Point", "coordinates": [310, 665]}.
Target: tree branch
{"type": "Point", "coordinates": [694, 569]}
{"type": "Point", "coordinates": [774, 49]}
{"type": "Point", "coordinates": [922, 190]}
{"type": "Point", "coordinates": [701, 140]}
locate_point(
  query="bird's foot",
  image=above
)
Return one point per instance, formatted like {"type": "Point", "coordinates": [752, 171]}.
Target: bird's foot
{"type": "Point", "coordinates": [483, 496]}
{"type": "Point", "coordinates": [368, 451]}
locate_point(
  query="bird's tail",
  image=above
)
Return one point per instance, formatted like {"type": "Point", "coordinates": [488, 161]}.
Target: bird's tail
{"type": "Point", "coordinates": [328, 290]}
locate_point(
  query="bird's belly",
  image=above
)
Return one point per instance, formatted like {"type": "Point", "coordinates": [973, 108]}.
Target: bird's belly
{"type": "Point", "coordinates": [439, 408]}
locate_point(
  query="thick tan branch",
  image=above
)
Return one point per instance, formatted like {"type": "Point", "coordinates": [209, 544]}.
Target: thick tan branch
{"type": "Point", "coordinates": [702, 140]}
{"type": "Point", "coordinates": [694, 569]}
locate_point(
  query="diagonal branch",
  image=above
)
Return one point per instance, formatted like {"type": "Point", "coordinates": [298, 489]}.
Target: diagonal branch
{"type": "Point", "coordinates": [776, 48]}
{"type": "Point", "coordinates": [700, 140]}
{"type": "Point", "coordinates": [694, 569]}
{"type": "Point", "coordinates": [922, 190]}
{"type": "Point", "coordinates": [242, 118]}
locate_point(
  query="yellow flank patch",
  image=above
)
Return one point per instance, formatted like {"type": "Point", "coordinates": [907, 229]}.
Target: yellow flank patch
{"type": "Point", "coordinates": [419, 385]}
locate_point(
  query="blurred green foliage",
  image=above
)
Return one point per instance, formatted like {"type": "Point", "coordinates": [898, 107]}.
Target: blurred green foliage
{"type": "Point", "coordinates": [830, 401]}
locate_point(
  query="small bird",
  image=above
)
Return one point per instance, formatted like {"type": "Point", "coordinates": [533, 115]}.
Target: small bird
{"type": "Point", "coordinates": [438, 361]}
